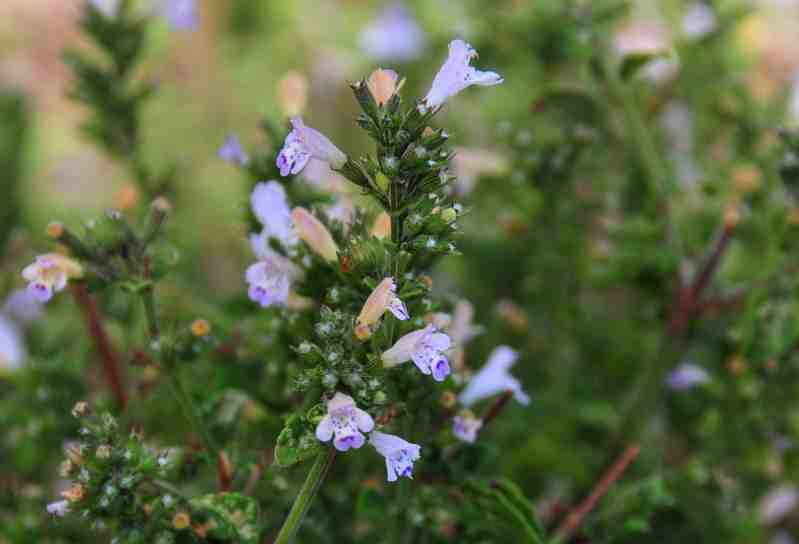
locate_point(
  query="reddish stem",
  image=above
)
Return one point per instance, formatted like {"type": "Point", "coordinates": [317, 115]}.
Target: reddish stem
{"type": "Point", "coordinates": [108, 358]}
{"type": "Point", "coordinates": [687, 303]}
{"type": "Point", "coordinates": [611, 476]}
{"type": "Point", "coordinates": [497, 408]}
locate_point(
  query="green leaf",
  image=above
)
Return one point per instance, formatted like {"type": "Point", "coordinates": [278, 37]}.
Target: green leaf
{"type": "Point", "coordinates": [633, 62]}
{"type": "Point", "coordinates": [296, 442]}
{"type": "Point", "coordinates": [233, 516]}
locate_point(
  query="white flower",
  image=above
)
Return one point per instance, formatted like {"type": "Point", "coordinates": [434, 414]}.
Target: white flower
{"type": "Point", "coordinates": [400, 454]}
{"type": "Point", "coordinates": [460, 328]}
{"type": "Point", "coordinates": [109, 8]}
{"type": "Point", "coordinates": [58, 508]}
{"type": "Point", "coordinates": [271, 207]}
{"type": "Point", "coordinates": [49, 274]}
{"type": "Point", "coordinates": [344, 421]}
{"type": "Point", "coordinates": [270, 279]}
{"type": "Point", "coordinates": [778, 503]}
{"type": "Point", "coordinates": [425, 348]}
{"type": "Point", "coordinates": [304, 143]}
{"type": "Point", "coordinates": [12, 349]}
{"type": "Point", "coordinates": [393, 36]}
{"type": "Point", "coordinates": [686, 376]}
{"type": "Point", "coordinates": [456, 75]}
{"type": "Point", "coordinates": [383, 297]}
{"type": "Point", "coordinates": [699, 20]}
{"type": "Point", "coordinates": [465, 427]}
{"type": "Point", "coordinates": [494, 378]}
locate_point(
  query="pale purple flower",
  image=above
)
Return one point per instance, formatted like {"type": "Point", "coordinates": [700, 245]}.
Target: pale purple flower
{"type": "Point", "coordinates": [109, 8]}
{"type": "Point", "coordinates": [456, 74]}
{"type": "Point", "coordinates": [494, 378]}
{"type": "Point", "coordinates": [270, 205]}
{"type": "Point", "coordinates": [232, 152]}
{"type": "Point", "coordinates": [345, 423]}
{"type": "Point", "coordinates": [12, 348]}
{"type": "Point", "coordinates": [49, 274]}
{"type": "Point", "coordinates": [22, 306]}
{"type": "Point", "coordinates": [686, 376]}
{"type": "Point", "coordinates": [466, 427]}
{"type": "Point", "coordinates": [181, 14]}
{"type": "Point", "coordinates": [270, 279]}
{"type": "Point", "coordinates": [400, 454]}
{"type": "Point", "coordinates": [778, 503]}
{"type": "Point", "coordinates": [425, 347]}
{"type": "Point", "coordinates": [342, 210]}
{"type": "Point", "coordinates": [304, 143]}
{"type": "Point", "coordinates": [394, 35]}
{"type": "Point", "coordinates": [58, 508]}
{"type": "Point", "coordinates": [699, 20]}
{"type": "Point", "coordinates": [782, 537]}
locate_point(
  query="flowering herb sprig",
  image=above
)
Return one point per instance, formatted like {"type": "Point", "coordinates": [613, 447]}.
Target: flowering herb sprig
{"type": "Point", "coordinates": [365, 275]}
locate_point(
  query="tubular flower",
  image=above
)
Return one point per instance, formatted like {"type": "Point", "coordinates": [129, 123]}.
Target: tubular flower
{"type": "Point", "coordinates": [49, 274]}
{"type": "Point", "coordinates": [270, 279]}
{"type": "Point", "coordinates": [304, 143]}
{"type": "Point", "coordinates": [384, 297]}
{"type": "Point", "coordinates": [315, 234]}
{"type": "Point", "coordinates": [232, 152]}
{"type": "Point", "coordinates": [400, 454]}
{"type": "Point", "coordinates": [494, 378]}
{"type": "Point", "coordinates": [271, 207]}
{"type": "Point", "coordinates": [465, 427]}
{"type": "Point", "coordinates": [344, 423]}
{"type": "Point", "coordinates": [456, 75]}
{"type": "Point", "coordinates": [425, 347]}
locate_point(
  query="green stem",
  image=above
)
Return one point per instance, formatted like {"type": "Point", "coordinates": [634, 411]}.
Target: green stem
{"type": "Point", "coordinates": [639, 136]}
{"type": "Point", "coordinates": [179, 392]}
{"type": "Point", "coordinates": [303, 501]}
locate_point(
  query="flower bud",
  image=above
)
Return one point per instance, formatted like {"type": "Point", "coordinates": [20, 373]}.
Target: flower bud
{"type": "Point", "coordinates": [200, 328]}
{"type": "Point", "coordinates": [315, 234]}
{"type": "Point", "coordinates": [449, 215]}
{"type": "Point", "coordinates": [293, 93]}
{"type": "Point", "coordinates": [181, 521]}
{"type": "Point", "coordinates": [382, 226]}
{"type": "Point", "coordinates": [127, 197]}
{"type": "Point", "coordinates": [55, 230]}
{"type": "Point", "coordinates": [382, 298]}
{"type": "Point", "coordinates": [383, 84]}
{"type": "Point", "coordinates": [746, 178]}
{"type": "Point", "coordinates": [74, 493]}
{"type": "Point", "coordinates": [732, 216]}
{"type": "Point", "coordinates": [81, 409]}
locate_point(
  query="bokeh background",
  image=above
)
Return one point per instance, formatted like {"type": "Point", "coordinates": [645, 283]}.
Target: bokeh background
{"type": "Point", "coordinates": [563, 257]}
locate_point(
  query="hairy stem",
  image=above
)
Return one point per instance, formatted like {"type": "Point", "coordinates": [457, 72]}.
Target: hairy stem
{"type": "Point", "coordinates": [307, 493]}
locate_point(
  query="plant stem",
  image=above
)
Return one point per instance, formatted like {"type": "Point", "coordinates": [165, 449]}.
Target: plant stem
{"type": "Point", "coordinates": [109, 360]}
{"type": "Point", "coordinates": [178, 391]}
{"type": "Point", "coordinates": [303, 500]}
{"type": "Point", "coordinates": [576, 517]}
